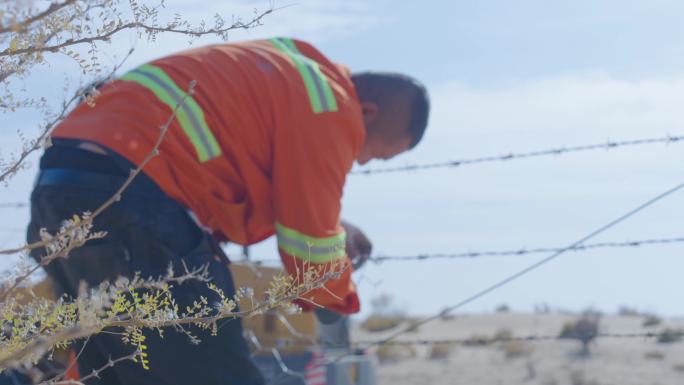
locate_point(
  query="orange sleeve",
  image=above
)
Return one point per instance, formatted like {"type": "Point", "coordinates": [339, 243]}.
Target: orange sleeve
{"type": "Point", "coordinates": [311, 160]}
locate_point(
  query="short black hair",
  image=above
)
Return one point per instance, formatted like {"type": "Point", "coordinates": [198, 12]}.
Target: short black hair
{"type": "Point", "coordinates": [383, 88]}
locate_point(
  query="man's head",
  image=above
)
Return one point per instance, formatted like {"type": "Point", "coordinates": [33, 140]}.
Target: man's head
{"type": "Point", "coordinates": [395, 112]}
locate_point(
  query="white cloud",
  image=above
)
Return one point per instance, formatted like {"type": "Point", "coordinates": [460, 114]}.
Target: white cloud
{"type": "Point", "coordinates": [582, 107]}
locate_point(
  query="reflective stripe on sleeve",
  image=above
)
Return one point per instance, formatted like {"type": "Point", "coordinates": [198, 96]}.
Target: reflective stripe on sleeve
{"type": "Point", "coordinates": [189, 114]}
{"type": "Point", "coordinates": [311, 249]}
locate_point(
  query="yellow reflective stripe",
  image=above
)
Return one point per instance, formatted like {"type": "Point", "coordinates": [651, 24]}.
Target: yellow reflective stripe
{"type": "Point", "coordinates": [311, 249]}
{"type": "Point", "coordinates": [189, 114]}
{"type": "Point", "coordinates": [317, 86]}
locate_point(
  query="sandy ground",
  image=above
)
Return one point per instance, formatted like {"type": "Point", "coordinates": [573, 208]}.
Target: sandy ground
{"type": "Point", "coordinates": [611, 361]}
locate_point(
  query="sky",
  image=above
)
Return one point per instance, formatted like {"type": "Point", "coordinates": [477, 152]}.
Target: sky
{"type": "Point", "coordinates": [503, 77]}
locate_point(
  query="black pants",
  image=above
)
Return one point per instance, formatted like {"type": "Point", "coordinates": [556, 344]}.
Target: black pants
{"type": "Point", "coordinates": [146, 231]}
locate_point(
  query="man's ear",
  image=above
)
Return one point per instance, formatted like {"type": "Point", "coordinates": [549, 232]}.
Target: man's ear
{"type": "Point", "coordinates": [370, 112]}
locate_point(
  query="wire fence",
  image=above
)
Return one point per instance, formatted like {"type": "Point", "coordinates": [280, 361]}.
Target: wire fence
{"type": "Point", "coordinates": [300, 340]}
{"type": "Point", "coordinates": [530, 338]}
{"type": "Point", "coordinates": [303, 340]}
{"type": "Point", "coordinates": [323, 354]}
{"type": "Point", "coordinates": [258, 347]}
{"type": "Point", "coordinates": [528, 251]}
{"type": "Point", "coordinates": [13, 205]}
{"type": "Point", "coordinates": [474, 340]}
{"type": "Point", "coordinates": [381, 258]}
{"type": "Point", "coordinates": [609, 145]}
{"type": "Point", "coordinates": [523, 272]}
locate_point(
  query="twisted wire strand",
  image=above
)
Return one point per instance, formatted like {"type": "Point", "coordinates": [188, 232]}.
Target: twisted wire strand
{"type": "Point", "coordinates": [526, 251]}
{"type": "Point", "coordinates": [522, 155]}
{"type": "Point", "coordinates": [531, 338]}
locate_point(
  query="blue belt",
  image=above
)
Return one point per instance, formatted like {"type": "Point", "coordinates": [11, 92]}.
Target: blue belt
{"type": "Point", "coordinates": [79, 178]}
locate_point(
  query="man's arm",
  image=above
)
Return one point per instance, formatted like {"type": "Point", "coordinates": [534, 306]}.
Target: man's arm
{"type": "Point", "coordinates": [311, 162]}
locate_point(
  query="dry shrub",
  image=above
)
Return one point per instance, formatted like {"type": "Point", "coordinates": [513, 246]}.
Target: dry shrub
{"type": "Point", "coordinates": [678, 368]}
{"type": "Point", "coordinates": [670, 335]}
{"type": "Point", "coordinates": [377, 323]}
{"type": "Point", "coordinates": [413, 326]}
{"type": "Point", "coordinates": [584, 329]}
{"type": "Point", "coordinates": [390, 353]}
{"type": "Point", "coordinates": [654, 355]}
{"type": "Point", "coordinates": [502, 335]}
{"type": "Point", "coordinates": [627, 311]}
{"type": "Point", "coordinates": [440, 350]}
{"type": "Point", "coordinates": [651, 320]}
{"type": "Point", "coordinates": [517, 349]}
{"type": "Point", "coordinates": [477, 340]}
{"type": "Point", "coordinates": [577, 377]}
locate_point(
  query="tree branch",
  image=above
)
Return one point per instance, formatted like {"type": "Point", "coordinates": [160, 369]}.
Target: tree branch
{"type": "Point", "coordinates": [42, 343]}
{"type": "Point", "coordinates": [135, 25]}
{"type": "Point", "coordinates": [38, 142]}
{"type": "Point", "coordinates": [23, 25]}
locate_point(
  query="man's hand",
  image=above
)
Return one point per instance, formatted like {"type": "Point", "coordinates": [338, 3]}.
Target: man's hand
{"type": "Point", "coordinates": [358, 246]}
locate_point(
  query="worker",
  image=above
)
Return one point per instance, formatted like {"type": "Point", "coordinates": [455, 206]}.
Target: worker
{"type": "Point", "coordinates": [261, 136]}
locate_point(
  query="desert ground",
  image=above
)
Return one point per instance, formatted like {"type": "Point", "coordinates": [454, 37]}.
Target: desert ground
{"type": "Point", "coordinates": [623, 361]}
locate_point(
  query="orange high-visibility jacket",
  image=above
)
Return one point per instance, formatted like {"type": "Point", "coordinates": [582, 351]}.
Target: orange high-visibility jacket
{"type": "Point", "coordinates": [260, 146]}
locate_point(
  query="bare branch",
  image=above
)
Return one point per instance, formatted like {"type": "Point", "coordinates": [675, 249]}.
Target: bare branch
{"type": "Point", "coordinates": [39, 142]}
{"type": "Point", "coordinates": [23, 25]}
{"type": "Point", "coordinates": [106, 36]}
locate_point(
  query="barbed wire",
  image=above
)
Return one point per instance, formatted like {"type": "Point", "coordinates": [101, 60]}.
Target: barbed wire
{"type": "Point", "coordinates": [526, 251]}
{"type": "Point", "coordinates": [334, 355]}
{"type": "Point", "coordinates": [303, 339]}
{"type": "Point", "coordinates": [531, 338]}
{"type": "Point", "coordinates": [13, 205]}
{"type": "Point", "coordinates": [275, 353]}
{"type": "Point", "coordinates": [522, 155]}
{"type": "Point", "coordinates": [380, 258]}
{"type": "Point", "coordinates": [513, 277]}
{"type": "Point", "coordinates": [476, 340]}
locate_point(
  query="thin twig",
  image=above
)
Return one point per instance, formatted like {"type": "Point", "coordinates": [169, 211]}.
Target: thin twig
{"type": "Point", "coordinates": [135, 25]}
{"type": "Point", "coordinates": [38, 142]}
{"type": "Point", "coordinates": [23, 25]}
{"type": "Point", "coordinates": [526, 251]}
